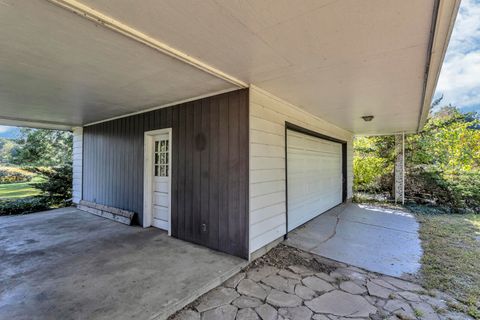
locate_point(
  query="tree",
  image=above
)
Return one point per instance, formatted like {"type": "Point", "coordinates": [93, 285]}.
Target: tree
{"type": "Point", "coordinates": [442, 161]}
{"type": "Point", "coordinates": [6, 148]}
{"type": "Point", "coordinates": [42, 147]}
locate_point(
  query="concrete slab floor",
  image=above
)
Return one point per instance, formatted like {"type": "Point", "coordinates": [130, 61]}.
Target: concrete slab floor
{"type": "Point", "coordinates": [69, 264]}
{"type": "Point", "coordinates": [377, 239]}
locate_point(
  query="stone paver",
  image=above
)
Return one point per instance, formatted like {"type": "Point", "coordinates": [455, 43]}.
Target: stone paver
{"type": "Point", "coordinates": [324, 276]}
{"type": "Point", "coordinates": [226, 312]}
{"type": "Point", "coordinates": [301, 270]}
{"type": "Point", "coordinates": [217, 297]}
{"type": "Point", "coordinates": [296, 313]}
{"type": "Point", "coordinates": [304, 292]}
{"type": "Point", "coordinates": [410, 296]}
{"type": "Point", "coordinates": [317, 284]}
{"type": "Point", "coordinates": [281, 299]}
{"type": "Point", "coordinates": [246, 302]}
{"type": "Point", "coordinates": [425, 311]}
{"type": "Point", "coordinates": [289, 275]}
{"type": "Point", "coordinates": [378, 291]}
{"type": "Point", "coordinates": [247, 314]}
{"type": "Point", "coordinates": [352, 287]}
{"type": "Point", "coordinates": [250, 288]}
{"type": "Point", "coordinates": [266, 312]}
{"type": "Point", "coordinates": [402, 284]}
{"type": "Point", "coordinates": [340, 303]}
{"type": "Point", "coordinates": [400, 308]}
{"type": "Point", "coordinates": [235, 280]}
{"type": "Point", "coordinates": [297, 292]}
{"type": "Point", "coordinates": [352, 273]}
{"type": "Point", "coordinates": [280, 283]}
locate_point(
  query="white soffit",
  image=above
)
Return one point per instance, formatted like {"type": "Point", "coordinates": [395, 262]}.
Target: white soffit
{"type": "Point", "coordinates": [58, 70]}
{"type": "Point", "coordinates": [339, 60]}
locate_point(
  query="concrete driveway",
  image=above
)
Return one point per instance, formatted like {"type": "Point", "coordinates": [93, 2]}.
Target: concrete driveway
{"type": "Point", "coordinates": [377, 239]}
{"type": "Point", "coordinates": [69, 264]}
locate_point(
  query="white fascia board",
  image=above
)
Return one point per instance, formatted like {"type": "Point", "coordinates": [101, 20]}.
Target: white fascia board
{"type": "Point", "coordinates": [444, 21]}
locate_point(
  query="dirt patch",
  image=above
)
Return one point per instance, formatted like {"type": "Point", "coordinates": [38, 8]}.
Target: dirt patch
{"type": "Point", "coordinates": [283, 256]}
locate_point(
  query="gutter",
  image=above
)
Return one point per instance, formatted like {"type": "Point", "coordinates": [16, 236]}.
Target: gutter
{"type": "Point", "coordinates": [443, 21]}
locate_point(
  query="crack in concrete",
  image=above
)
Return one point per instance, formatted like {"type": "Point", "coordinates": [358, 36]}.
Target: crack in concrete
{"type": "Point", "coordinates": [379, 226]}
{"type": "Point", "coordinates": [337, 216]}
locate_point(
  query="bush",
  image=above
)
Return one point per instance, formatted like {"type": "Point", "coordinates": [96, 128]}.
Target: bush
{"type": "Point", "coordinates": [459, 190]}
{"type": "Point", "coordinates": [25, 205]}
{"type": "Point", "coordinates": [372, 174]}
{"type": "Point", "coordinates": [59, 182]}
{"type": "Point", "coordinates": [14, 175]}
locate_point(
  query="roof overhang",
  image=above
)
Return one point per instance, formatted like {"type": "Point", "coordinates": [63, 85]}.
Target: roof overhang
{"type": "Point", "coordinates": [446, 14]}
{"type": "Point", "coordinates": [65, 63]}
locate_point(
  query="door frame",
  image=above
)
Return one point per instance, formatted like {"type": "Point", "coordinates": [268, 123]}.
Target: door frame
{"type": "Point", "coordinates": [293, 127]}
{"type": "Point", "coordinates": [148, 176]}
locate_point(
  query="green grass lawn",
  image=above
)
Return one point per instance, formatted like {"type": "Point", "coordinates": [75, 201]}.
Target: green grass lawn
{"type": "Point", "coordinates": [20, 190]}
{"type": "Point", "coordinates": [451, 259]}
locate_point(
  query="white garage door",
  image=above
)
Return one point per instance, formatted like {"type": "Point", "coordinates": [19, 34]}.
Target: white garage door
{"type": "Point", "coordinates": [314, 172]}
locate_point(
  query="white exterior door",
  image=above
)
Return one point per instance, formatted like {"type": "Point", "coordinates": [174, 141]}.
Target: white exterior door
{"type": "Point", "coordinates": [161, 181]}
{"type": "Point", "coordinates": [314, 173]}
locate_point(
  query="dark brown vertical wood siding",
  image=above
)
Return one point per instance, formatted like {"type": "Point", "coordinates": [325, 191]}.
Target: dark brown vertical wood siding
{"type": "Point", "coordinates": [209, 168]}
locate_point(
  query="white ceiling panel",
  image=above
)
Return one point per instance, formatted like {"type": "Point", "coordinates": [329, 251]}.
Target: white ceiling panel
{"type": "Point", "coordinates": [338, 60]}
{"type": "Point", "coordinates": [57, 67]}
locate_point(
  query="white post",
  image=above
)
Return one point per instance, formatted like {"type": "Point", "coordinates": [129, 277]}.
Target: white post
{"type": "Point", "coordinates": [77, 164]}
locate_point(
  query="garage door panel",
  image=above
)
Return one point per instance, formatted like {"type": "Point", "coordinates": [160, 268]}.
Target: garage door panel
{"type": "Point", "coordinates": [314, 177]}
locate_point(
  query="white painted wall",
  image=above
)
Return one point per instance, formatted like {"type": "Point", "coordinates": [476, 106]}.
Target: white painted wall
{"type": "Point", "coordinates": [267, 162]}
{"type": "Point", "coordinates": [77, 164]}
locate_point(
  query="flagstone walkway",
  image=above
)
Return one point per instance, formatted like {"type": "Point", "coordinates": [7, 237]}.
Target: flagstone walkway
{"type": "Point", "coordinates": [319, 289]}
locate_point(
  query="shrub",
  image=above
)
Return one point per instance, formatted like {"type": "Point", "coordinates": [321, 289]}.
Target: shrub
{"type": "Point", "coordinates": [25, 205]}
{"type": "Point", "coordinates": [371, 174]}
{"type": "Point", "coordinates": [59, 182]}
{"type": "Point", "coordinates": [14, 175]}
{"type": "Point", "coordinates": [459, 190]}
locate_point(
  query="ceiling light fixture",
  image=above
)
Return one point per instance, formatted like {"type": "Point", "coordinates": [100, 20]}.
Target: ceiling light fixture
{"type": "Point", "coordinates": [367, 118]}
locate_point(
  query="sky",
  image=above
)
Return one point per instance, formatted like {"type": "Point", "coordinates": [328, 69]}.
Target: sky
{"type": "Point", "coordinates": [459, 81]}
{"type": "Point", "coordinates": [8, 132]}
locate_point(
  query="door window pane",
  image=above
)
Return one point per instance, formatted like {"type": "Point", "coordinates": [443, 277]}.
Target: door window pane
{"type": "Point", "coordinates": [161, 158]}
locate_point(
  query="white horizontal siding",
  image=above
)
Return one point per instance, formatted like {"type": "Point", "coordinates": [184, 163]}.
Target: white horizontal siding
{"type": "Point", "coordinates": [268, 115]}
{"type": "Point", "coordinates": [77, 164]}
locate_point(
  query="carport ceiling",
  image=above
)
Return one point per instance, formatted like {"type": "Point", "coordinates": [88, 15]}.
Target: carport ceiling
{"type": "Point", "coordinates": [339, 60]}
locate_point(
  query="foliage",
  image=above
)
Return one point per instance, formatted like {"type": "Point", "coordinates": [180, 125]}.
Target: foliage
{"type": "Point", "coordinates": [373, 163]}
{"type": "Point", "coordinates": [442, 162]}
{"type": "Point", "coordinates": [14, 175]}
{"type": "Point", "coordinates": [42, 147]}
{"type": "Point", "coordinates": [59, 181]}
{"type": "Point", "coordinates": [365, 173]}
{"type": "Point", "coordinates": [450, 141]}
{"type": "Point", "coordinates": [6, 148]}
{"type": "Point", "coordinates": [25, 205]}
{"type": "Point", "coordinates": [47, 155]}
